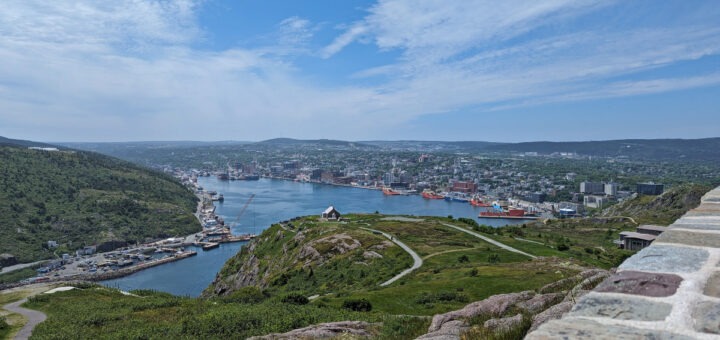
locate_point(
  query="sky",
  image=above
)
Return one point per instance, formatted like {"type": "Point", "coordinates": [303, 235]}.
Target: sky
{"type": "Point", "coordinates": [502, 71]}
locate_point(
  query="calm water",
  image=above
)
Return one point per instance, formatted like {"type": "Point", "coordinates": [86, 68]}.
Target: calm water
{"type": "Point", "coordinates": [277, 200]}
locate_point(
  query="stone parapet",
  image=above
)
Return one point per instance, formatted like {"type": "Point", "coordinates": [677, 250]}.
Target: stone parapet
{"type": "Point", "coordinates": [669, 290]}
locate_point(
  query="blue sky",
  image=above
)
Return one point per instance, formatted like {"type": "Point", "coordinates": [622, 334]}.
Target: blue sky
{"type": "Point", "coordinates": [505, 71]}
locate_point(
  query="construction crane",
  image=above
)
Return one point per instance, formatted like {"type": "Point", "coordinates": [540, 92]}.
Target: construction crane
{"type": "Point", "coordinates": [242, 211]}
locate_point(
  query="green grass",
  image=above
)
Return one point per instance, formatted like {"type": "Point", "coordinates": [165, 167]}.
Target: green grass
{"type": "Point", "coordinates": [18, 275]}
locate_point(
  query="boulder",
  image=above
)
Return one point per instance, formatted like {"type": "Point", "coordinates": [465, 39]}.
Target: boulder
{"type": "Point", "coordinates": [450, 330]}
{"type": "Point", "coordinates": [552, 313]}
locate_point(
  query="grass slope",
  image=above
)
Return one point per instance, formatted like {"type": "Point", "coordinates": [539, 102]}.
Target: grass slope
{"type": "Point", "coordinates": [82, 198]}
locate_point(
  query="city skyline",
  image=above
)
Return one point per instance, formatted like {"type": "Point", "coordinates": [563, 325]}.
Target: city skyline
{"type": "Point", "coordinates": [359, 70]}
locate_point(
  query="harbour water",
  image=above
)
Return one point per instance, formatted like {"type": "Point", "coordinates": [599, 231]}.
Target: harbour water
{"type": "Point", "coordinates": [278, 200]}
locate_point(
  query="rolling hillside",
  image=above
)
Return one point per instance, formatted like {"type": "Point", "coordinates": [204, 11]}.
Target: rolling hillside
{"type": "Point", "coordinates": [80, 198]}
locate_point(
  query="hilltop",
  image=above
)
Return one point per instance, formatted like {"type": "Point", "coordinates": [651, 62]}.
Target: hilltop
{"type": "Point", "coordinates": [79, 198]}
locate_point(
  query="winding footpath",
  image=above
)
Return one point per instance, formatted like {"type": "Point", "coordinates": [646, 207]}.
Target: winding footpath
{"type": "Point", "coordinates": [489, 240]}
{"type": "Point", "coordinates": [33, 318]}
{"type": "Point", "coordinates": [416, 258]}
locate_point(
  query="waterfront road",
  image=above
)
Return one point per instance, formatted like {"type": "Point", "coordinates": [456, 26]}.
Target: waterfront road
{"type": "Point", "coordinates": [489, 240]}
{"type": "Point", "coordinates": [34, 318]}
{"type": "Point", "coordinates": [416, 258]}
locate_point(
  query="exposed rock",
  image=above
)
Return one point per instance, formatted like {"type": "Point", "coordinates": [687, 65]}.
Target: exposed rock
{"type": "Point", "coordinates": [449, 331]}
{"type": "Point", "coordinates": [372, 255]}
{"type": "Point", "coordinates": [539, 302]}
{"type": "Point", "coordinates": [495, 305]}
{"type": "Point", "coordinates": [564, 283]}
{"type": "Point", "coordinates": [552, 313]}
{"type": "Point", "coordinates": [574, 295]}
{"type": "Point", "coordinates": [503, 323]}
{"type": "Point", "coordinates": [359, 329]}
{"type": "Point", "coordinates": [382, 245]}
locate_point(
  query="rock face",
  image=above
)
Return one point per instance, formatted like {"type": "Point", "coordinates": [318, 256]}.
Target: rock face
{"type": "Point", "coordinates": [356, 329]}
{"type": "Point", "coordinates": [495, 305]}
{"type": "Point", "coordinates": [503, 323]}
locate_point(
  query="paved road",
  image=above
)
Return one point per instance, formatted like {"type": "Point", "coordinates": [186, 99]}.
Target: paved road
{"type": "Point", "coordinates": [34, 317]}
{"type": "Point", "coordinates": [416, 258]}
{"type": "Point", "coordinates": [489, 240]}
{"type": "Point", "coordinates": [19, 266]}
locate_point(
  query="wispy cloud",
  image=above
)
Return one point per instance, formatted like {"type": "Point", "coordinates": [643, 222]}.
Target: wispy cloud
{"type": "Point", "coordinates": [71, 70]}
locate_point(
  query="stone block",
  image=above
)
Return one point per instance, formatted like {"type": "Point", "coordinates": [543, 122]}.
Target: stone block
{"type": "Point", "coordinates": [667, 259]}
{"type": "Point", "coordinates": [583, 329]}
{"type": "Point", "coordinates": [707, 317]}
{"type": "Point", "coordinates": [690, 238]}
{"type": "Point", "coordinates": [712, 286]}
{"type": "Point", "coordinates": [696, 226]}
{"type": "Point", "coordinates": [626, 308]}
{"type": "Point", "coordinates": [640, 283]}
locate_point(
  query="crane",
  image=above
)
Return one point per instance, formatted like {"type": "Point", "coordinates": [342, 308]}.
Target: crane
{"type": "Point", "coordinates": [242, 211]}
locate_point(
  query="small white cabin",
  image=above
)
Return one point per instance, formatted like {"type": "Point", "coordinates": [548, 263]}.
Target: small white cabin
{"type": "Point", "coordinates": [331, 213]}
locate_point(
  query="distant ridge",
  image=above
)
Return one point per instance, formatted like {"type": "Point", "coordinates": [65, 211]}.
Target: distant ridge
{"type": "Point", "coordinates": [705, 149]}
{"type": "Point", "coordinates": [23, 143]}
{"type": "Point", "coordinates": [328, 142]}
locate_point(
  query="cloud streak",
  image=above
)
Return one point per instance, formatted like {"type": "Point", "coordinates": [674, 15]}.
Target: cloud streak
{"type": "Point", "coordinates": [71, 71]}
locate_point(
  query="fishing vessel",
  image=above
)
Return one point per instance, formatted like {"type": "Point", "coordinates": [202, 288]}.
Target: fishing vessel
{"type": "Point", "coordinates": [429, 194]}
{"type": "Point", "coordinates": [390, 192]}
{"type": "Point", "coordinates": [457, 197]}
{"type": "Point", "coordinates": [478, 202]}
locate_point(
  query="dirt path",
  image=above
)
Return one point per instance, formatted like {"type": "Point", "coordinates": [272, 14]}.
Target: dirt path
{"type": "Point", "coordinates": [416, 258]}
{"type": "Point", "coordinates": [33, 318]}
{"type": "Point", "coordinates": [447, 251]}
{"type": "Point", "coordinates": [489, 240]}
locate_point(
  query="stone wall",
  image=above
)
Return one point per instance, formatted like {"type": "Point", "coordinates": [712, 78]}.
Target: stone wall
{"type": "Point", "coordinates": [670, 290]}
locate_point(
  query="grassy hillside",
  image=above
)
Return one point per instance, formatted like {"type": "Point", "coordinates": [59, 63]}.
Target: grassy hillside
{"type": "Point", "coordinates": [662, 209]}
{"type": "Point", "coordinates": [457, 267]}
{"type": "Point", "coordinates": [82, 198]}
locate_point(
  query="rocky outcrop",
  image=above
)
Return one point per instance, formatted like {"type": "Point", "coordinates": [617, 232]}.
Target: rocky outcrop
{"type": "Point", "coordinates": [506, 312]}
{"type": "Point", "coordinates": [495, 305]}
{"type": "Point", "coordinates": [356, 329]}
{"type": "Point", "coordinates": [503, 323]}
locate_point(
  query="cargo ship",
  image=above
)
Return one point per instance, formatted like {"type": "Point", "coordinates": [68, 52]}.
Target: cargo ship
{"type": "Point", "coordinates": [429, 194]}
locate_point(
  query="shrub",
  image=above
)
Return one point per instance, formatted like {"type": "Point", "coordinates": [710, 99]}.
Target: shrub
{"type": "Point", "coordinates": [563, 247]}
{"type": "Point", "coordinates": [246, 295]}
{"type": "Point", "coordinates": [295, 299]}
{"type": "Point", "coordinates": [357, 305]}
{"type": "Point", "coordinates": [494, 258]}
{"type": "Point", "coordinates": [463, 259]}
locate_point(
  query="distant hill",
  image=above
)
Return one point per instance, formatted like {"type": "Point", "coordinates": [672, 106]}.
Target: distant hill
{"type": "Point", "coordinates": [81, 198]}
{"type": "Point", "coordinates": [22, 143]}
{"type": "Point", "coordinates": [312, 142]}
{"type": "Point", "coordinates": [706, 149]}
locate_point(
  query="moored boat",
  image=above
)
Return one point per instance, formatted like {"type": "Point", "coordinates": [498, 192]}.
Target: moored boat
{"type": "Point", "coordinates": [429, 194]}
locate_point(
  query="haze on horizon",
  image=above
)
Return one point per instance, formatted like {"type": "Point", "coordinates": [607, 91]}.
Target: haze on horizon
{"type": "Point", "coordinates": [213, 70]}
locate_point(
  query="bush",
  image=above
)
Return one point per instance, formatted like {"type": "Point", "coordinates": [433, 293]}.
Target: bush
{"type": "Point", "coordinates": [3, 324]}
{"type": "Point", "coordinates": [494, 258]}
{"type": "Point", "coordinates": [463, 259]}
{"type": "Point", "coordinates": [246, 295]}
{"type": "Point", "coordinates": [357, 305]}
{"type": "Point", "coordinates": [295, 299]}
{"type": "Point", "coordinates": [563, 247]}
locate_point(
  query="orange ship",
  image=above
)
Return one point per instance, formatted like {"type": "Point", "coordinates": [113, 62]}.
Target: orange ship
{"type": "Point", "coordinates": [429, 194]}
{"type": "Point", "coordinates": [390, 192]}
{"type": "Point", "coordinates": [477, 202]}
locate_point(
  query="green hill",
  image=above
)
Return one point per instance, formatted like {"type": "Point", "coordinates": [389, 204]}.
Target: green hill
{"type": "Point", "coordinates": [661, 209]}
{"type": "Point", "coordinates": [81, 198]}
